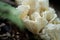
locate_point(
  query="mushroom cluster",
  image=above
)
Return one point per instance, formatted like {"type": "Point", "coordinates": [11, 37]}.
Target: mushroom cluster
{"type": "Point", "coordinates": [39, 18]}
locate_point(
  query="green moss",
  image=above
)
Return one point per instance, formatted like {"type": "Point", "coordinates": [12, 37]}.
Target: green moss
{"type": "Point", "coordinates": [11, 13]}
